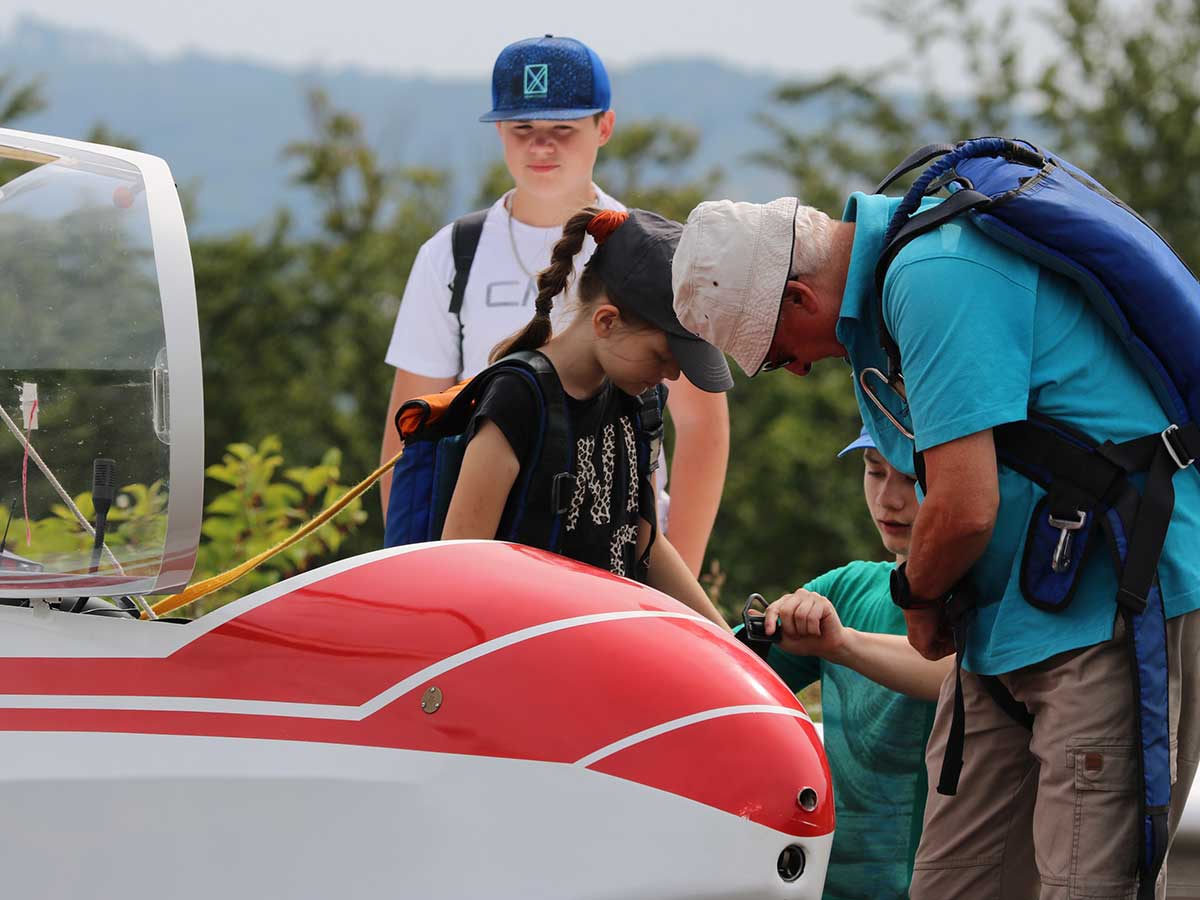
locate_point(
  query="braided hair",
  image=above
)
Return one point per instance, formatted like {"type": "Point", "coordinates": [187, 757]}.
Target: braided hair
{"type": "Point", "coordinates": [552, 281]}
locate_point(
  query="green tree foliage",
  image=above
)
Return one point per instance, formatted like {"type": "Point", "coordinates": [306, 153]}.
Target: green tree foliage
{"type": "Point", "coordinates": [19, 99]}
{"type": "Point", "coordinates": [1120, 96]}
{"type": "Point", "coordinates": [257, 509]}
{"type": "Point", "coordinates": [294, 329]}
{"type": "Point", "coordinates": [260, 502]}
{"type": "Point", "coordinates": [643, 166]}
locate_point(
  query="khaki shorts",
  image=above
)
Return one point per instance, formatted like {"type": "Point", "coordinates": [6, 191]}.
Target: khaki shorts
{"type": "Point", "coordinates": [1053, 813]}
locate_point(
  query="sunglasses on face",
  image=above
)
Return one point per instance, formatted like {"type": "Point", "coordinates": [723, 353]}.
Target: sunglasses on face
{"type": "Point", "coordinates": [770, 365]}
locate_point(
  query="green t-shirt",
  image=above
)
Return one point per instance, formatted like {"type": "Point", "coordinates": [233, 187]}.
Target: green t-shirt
{"type": "Point", "coordinates": [875, 741]}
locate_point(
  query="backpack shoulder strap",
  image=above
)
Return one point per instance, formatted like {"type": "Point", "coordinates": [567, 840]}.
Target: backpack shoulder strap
{"type": "Point", "coordinates": [956, 204]}
{"type": "Point", "coordinates": [548, 484]}
{"type": "Point", "coordinates": [464, 241]}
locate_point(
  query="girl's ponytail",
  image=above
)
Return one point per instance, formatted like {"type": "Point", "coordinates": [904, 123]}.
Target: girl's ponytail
{"type": "Point", "coordinates": [552, 280]}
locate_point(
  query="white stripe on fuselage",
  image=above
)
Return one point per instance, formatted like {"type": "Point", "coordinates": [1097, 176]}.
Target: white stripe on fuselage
{"type": "Point", "coordinates": [320, 710]}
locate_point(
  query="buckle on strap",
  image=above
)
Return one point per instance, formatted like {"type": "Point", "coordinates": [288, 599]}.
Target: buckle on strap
{"type": "Point", "coordinates": [1175, 447]}
{"type": "Point", "coordinates": [1061, 560]}
{"type": "Point", "coordinates": [561, 490]}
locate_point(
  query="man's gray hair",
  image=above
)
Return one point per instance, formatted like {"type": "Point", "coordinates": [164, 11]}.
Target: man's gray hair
{"type": "Point", "coordinates": [813, 245]}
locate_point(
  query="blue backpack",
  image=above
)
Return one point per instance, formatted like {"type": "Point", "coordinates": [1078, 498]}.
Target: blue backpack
{"type": "Point", "coordinates": [1041, 206]}
{"type": "Point", "coordinates": [433, 430]}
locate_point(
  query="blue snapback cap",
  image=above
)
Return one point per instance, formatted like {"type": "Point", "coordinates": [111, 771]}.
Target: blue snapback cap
{"type": "Point", "coordinates": [862, 442]}
{"type": "Point", "coordinates": [548, 78]}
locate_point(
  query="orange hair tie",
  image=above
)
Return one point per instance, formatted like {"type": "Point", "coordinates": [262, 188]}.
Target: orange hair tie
{"type": "Point", "coordinates": [605, 223]}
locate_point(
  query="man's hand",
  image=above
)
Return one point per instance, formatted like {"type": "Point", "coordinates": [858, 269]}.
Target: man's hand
{"type": "Point", "coordinates": [810, 625]}
{"type": "Point", "coordinates": [929, 632]}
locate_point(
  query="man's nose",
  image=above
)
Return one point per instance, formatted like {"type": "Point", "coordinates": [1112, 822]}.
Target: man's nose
{"type": "Point", "coordinates": [671, 373]}
{"type": "Point", "coordinates": [543, 142]}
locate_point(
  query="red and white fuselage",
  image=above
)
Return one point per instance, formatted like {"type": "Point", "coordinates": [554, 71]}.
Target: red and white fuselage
{"type": "Point", "coordinates": [448, 720]}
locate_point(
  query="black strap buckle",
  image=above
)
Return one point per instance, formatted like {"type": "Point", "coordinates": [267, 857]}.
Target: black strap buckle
{"type": "Point", "coordinates": [1061, 560]}
{"type": "Point", "coordinates": [1173, 441]}
{"type": "Point", "coordinates": [756, 623]}
{"type": "Point", "coordinates": [561, 490]}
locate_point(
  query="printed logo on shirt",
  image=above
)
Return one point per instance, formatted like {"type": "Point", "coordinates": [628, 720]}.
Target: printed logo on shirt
{"type": "Point", "coordinates": [537, 79]}
{"type": "Point", "coordinates": [507, 293]}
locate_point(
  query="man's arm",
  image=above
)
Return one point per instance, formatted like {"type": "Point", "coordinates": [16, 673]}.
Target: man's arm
{"type": "Point", "coordinates": [405, 386]}
{"type": "Point", "coordinates": [697, 471]}
{"type": "Point", "coordinates": [951, 531]}
{"type": "Point", "coordinates": [812, 627]}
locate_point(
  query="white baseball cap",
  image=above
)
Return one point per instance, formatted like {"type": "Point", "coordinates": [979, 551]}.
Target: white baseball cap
{"type": "Point", "coordinates": [729, 273]}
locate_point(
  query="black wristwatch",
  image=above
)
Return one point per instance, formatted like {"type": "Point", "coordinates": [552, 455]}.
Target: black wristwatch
{"type": "Point", "coordinates": [902, 592]}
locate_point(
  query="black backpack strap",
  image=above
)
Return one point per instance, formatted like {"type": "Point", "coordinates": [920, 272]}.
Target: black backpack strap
{"type": "Point", "coordinates": [956, 204]}
{"type": "Point", "coordinates": [914, 160]}
{"type": "Point", "coordinates": [548, 484]}
{"type": "Point", "coordinates": [464, 241]}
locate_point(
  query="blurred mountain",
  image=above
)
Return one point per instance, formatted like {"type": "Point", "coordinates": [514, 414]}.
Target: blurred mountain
{"type": "Point", "coordinates": [222, 122]}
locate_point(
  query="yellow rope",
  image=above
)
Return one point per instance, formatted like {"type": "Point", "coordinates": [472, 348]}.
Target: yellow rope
{"type": "Point", "coordinates": [209, 585]}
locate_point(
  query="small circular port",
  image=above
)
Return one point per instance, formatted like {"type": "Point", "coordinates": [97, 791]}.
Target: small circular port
{"type": "Point", "coordinates": [791, 863]}
{"type": "Point", "coordinates": [807, 799]}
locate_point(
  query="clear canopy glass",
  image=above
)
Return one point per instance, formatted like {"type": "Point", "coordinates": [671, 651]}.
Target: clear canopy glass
{"type": "Point", "coordinates": [99, 356]}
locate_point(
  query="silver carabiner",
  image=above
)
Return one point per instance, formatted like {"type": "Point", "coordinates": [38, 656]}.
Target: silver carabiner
{"type": "Point", "coordinates": [862, 380]}
{"type": "Point", "coordinates": [1061, 561]}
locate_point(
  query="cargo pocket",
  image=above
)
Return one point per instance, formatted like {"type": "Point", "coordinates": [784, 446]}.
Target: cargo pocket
{"type": "Point", "coordinates": [1105, 841]}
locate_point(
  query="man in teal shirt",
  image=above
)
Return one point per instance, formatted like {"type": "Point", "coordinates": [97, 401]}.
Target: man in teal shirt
{"type": "Point", "coordinates": [987, 337]}
{"type": "Point", "coordinates": [877, 696]}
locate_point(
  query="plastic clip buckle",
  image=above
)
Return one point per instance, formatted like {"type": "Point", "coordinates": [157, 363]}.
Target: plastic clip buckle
{"type": "Point", "coordinates": [561, 490]}
{"type": "Point", "coordinates": [755, 624]}
{"type": "Point", "coordinates": [1176, 450]}
{"type": "Point", "coordinates": [1061, 560]}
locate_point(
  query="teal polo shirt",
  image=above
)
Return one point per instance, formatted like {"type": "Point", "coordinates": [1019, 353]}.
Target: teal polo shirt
{"type": "Point", "coordinates": [985, 335]}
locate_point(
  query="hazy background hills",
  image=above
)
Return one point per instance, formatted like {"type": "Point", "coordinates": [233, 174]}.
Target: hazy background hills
{"type": "Point", "coordinates": [221, 123]}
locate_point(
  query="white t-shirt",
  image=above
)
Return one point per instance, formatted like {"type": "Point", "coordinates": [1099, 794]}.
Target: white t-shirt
{"type": "Point", "coordinates": [498, 301]}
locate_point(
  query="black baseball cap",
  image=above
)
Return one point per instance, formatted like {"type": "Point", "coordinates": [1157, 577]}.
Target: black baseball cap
{"type": "Point", "coordinates": [634, 263]}
{"type": "Point", "coordinates": [548, 78]}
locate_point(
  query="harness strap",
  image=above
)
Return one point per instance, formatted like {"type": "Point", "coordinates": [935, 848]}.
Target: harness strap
{"type": "Point", "coordinates": [1135, 524]}
{"type": "Point", "coordinates": [959, 202]}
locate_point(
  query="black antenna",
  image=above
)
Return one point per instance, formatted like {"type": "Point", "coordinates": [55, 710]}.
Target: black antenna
{"type": "Point", "coordinates": [103, 478]}
{"type": "Point", "coordinates": [11, 508]}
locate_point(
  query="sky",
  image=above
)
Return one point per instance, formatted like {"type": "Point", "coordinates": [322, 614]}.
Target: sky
{"type": "Point", "coordinates": [462, 37]}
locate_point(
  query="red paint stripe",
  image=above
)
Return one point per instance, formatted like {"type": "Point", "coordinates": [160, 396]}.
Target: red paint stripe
{"type": "Point", "coordinates": [347, 638]}
{"type": "Point", "coordinates": [721, 763]}
{"type": "Point", "coordinates": [556, 697]}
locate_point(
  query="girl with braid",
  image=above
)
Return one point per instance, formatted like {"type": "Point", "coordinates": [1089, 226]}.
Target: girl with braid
{"type": "Point", "coordinates": [622, 340]}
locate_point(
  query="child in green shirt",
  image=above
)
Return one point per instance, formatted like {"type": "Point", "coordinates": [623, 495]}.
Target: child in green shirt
{"type": "Point", "coordinates": [877, 695]}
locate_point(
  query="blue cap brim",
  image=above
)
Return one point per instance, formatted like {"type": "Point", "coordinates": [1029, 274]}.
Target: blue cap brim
{"type": "Point", "coordinates": [532, 115]}
{"type": "Point", "coordinates": [862, 442]}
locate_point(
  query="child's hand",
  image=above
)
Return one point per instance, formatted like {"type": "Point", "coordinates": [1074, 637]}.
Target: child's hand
{"type": "Point", "coordinates": [809, 623]}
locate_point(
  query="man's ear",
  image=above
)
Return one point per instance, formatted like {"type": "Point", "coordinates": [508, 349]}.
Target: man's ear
{"type": "Point", "coordinates": [800, 294]}
{"type": "Point", "coordinates": [607, 121]}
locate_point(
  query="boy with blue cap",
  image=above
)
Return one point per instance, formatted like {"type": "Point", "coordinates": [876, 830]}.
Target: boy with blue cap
{"type": "Point", "coordinates": [878, 695]}
{"type": "Point", "coordinates": [551, 105]}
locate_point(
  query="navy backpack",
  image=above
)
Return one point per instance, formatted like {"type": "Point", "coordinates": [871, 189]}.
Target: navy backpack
{"type": "Point", "coordinates": [433, 430]}
{"type": "Point", "coordinates": [1041, 206]}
